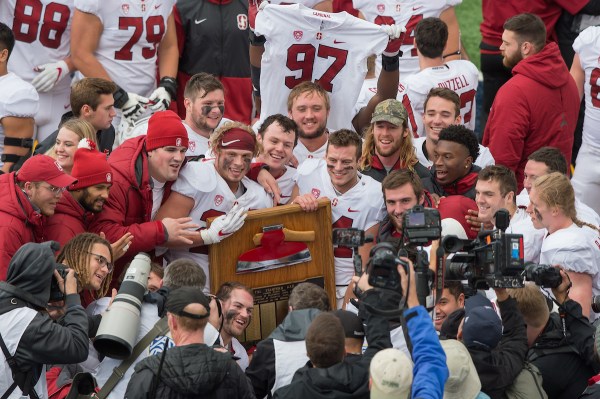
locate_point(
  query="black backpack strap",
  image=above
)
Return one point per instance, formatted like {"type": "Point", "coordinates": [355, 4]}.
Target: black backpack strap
{"type": "Point", "coordinates": [11, 362]}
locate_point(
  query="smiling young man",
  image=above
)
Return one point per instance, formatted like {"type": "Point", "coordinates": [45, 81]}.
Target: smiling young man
{"type": "Point", "coordinates": [83, 199]}
{"type": "Point", "coordinates": [216, 187]}
{"type": "Point", "coordinates": [442, 109]}
{"type": "Point", "coordinates": [204, 101]}
{"type": "Point", "coordinates": [278, 135]}
{"type": "Point", "coordinates": [388, 142]}
{"type": "Point", "coordinates": [356, 199]}
{"type": "Point", "coordinates": [144, 168]}
{"type": "Point", "coordinates": [308, 106]}
{"type": "Point", "coordinates": [453, 298]}
{"type": "Point", "coordinates": [495, 190]}
{"type": "Point", "coordinates": [237, 304]}
{"type": "Point", "coordinates": [454, 171]}
{"type": "Point", "coordinates": [28, 197]}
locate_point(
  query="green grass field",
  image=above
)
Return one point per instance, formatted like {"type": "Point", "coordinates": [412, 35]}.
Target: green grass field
{"type": "Point", "coordinates": [469, 18]}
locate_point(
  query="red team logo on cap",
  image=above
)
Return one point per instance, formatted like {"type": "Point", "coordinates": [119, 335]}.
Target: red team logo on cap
{"type": "Point", "coordinates": [125, 8]}
{"type": "Point", "coordinates": [298, 35]}
{"type": "Point", "coordinates": [381, 8]}
{"type": "Point", "coordinates": [178, 142]}
{"type": "Point", "coordinates": [334, 202]}
{"type": "Point", "coordinates": [58, 166]}
{"type": "Point", "coordinates": [316, 192]}
{"type": "Point", "coordinates": [218, 200]}
{"type": "Point", "coordinates": [108, 177]}
{"type": "Point", "coordinates": [242, 21]}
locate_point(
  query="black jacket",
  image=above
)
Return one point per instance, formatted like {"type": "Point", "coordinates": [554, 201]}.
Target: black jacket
{"type": "Point", "coordinates": [499, 367]}
{"type": "Point", "coordinates": [464, 186]}
{"type": "Point", "coordinates": [378, 172]}
{"type": "Point", "coordinates": [190, 371]}
{"type": "Point", "coordinates": [44, 341]}
{"type": "Point", "coordinates": [261, 370]}
{"type": "Point", "coordinates": [566, 363]}
{"type": "Point", "coordinates": [345, 379]}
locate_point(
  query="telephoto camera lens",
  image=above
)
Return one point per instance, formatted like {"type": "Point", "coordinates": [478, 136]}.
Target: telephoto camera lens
{"type": "Point", "coordinates": [120, 323]}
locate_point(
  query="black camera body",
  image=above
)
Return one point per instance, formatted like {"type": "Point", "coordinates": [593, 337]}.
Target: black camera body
{"type": "Point", "coordinates": [383, 270]}
{"type": "Point", "coordinates": [55, 292]}
{"type": "Point", "coordinates": [492, 260]}
{"type": "Point", "coordinates": [546, 276]}
{"type": "Point", "coordinates": [420, 225]}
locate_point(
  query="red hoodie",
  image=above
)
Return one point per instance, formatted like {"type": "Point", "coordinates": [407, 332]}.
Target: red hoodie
{"type": "Point", "coordinates": [537, 107]}
{"type": "Point", "coordinates": [20, 223]}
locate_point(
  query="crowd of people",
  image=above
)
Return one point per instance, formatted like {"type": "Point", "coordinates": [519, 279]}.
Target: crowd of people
{"type": "Point", "coordinates": [126, 126]}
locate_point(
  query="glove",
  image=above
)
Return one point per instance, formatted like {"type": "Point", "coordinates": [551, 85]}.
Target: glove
{"type": "Point", "coordinates": [160, 99]}
{"type": "Point", "coordinates": [49, 75]}
{"type": "Point", "coordinates": [395, 32]}
{"type": "Point", "coordinates": [134, 107]}
{"type": "Point", "coordinates": [224, 225]}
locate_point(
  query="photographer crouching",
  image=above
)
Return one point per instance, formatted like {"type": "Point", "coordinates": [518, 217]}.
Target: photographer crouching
{"type": "Point", "coordinates": [29, 338]}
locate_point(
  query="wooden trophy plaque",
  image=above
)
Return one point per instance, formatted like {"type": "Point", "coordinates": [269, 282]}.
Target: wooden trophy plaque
{"type": "Point", "coordinates": [272, 287]}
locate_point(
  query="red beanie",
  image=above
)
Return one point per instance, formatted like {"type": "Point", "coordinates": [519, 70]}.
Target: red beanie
{"type": "Point", "coordinates": [165, 129]}
{"type": "Point", "coordinates": [90, 166]}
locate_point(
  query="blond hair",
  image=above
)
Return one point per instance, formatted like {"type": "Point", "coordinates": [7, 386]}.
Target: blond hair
{"type": "Point", "coordinates": [83, 129]}
{"type": "Point", "coordinates": [555, 190]}
{"type": "Point", "coordinates": [408, 156]}
{"type": "Point", "coordinates": [531, 304]}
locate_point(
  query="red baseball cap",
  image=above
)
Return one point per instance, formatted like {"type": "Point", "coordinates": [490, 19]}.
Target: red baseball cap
{"type": "Point", "coordinates": [44, 168]}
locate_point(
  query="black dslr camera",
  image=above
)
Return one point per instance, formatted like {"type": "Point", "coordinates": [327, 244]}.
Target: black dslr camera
{"type": "Point", "coordinates": [546, 276]}
{"type": "Point", "coordinates": [493, 260]}
{"type": "Point", "coordinates": [382, 268]}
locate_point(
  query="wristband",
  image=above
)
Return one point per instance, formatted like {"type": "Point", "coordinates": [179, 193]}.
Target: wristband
{"type": "Point", "coordinates": [121, 97]}
{"type": "Point", "coordinates": [390, 64]}
{"type": "Point", "coordinates": [255, 76]}
{"type": "Point", "coordinates": [169, 84]}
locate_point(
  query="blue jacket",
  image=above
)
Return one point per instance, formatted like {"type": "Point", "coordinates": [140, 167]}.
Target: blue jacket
{"type": "Point", "coordinates": [429, 371]}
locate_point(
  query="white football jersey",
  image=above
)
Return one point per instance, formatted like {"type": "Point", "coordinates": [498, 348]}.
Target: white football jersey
{"type": "Point", "coordinates": [131, 34]}
{"type": "Point", "coordinates": [587, 45]}
{"type": "Point", "coordinates": [308, 45]}
{"type": "Point", "coordinates": [302, 154]}
{"type": "Point", "coordinates": [459, 76]}
{"type": "Point", "coordinates": [286, 183]}
{"type": "Point", "coordinates": [197, 144]}
{"type": "Point", "coordinates": [212, 197]}
{"type": "Point", "coordinates": [484, 158]}
{"type": "Point", "coordinates": [406, 13]}
{"type": "Point", "coordinates": [42, 30]}
{"type": "Point", "coordinates": [17, 99]}
{"type": "Point", "coordinates": [576, 249]}
{"type": "Point", "coordinates": [361, 207]}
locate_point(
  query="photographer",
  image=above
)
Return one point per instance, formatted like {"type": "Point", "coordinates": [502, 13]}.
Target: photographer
{"type": "Point", "coordinates": [497, 347]}
{"type": "Point", "coordinates": [31, 339]}
{"type": "Point", "coordinates": [561, 345]}
{"type": "Point", "coordinates": [328, 375]}
{"type": "Point", "coordinates": [570, 242]}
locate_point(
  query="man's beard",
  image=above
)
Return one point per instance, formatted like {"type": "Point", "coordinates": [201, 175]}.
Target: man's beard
{"type": "Point", "coordinates": [83, 201]}
{"type": "Point", "coordinates": [321, 131]}
{"type": "Point", "coordinates": [512, 61]}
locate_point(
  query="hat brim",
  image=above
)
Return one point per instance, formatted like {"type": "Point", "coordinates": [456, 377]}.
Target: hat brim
{"type": "Point", "coordinates": [387, 118]}
{"type": "Point", "coordinates": [62, 180]}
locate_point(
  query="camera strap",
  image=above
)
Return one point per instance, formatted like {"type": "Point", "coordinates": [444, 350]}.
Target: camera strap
{"type": "Point", "coordinates": [160, 328]}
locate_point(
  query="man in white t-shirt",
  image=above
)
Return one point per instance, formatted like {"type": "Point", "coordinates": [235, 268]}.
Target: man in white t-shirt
{"type": "Point", "coordinates": [216, 188]}
{"type": "Point", "coordinates": [18, 106]}
{"type": "Point", "coordinates": [442, 109]}
{"type": "Point", "coordinates": [356, 199]}
{"type": "Point", "coordinates": [42, 31]}
{"type": "Point", "coordinates": [459, 75]}
{"type": "Point", "coordinates": [121, 42]}
{"type": "Point", "coordinates": [495, 190]}
{"type": "Point", "coordinates": [586, 72]}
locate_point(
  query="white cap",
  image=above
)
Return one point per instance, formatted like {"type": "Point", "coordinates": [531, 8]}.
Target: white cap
{"type": "Point", "coordinates": [391, 374]}
{"type": "Point", "coordinates": [463, 382]}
